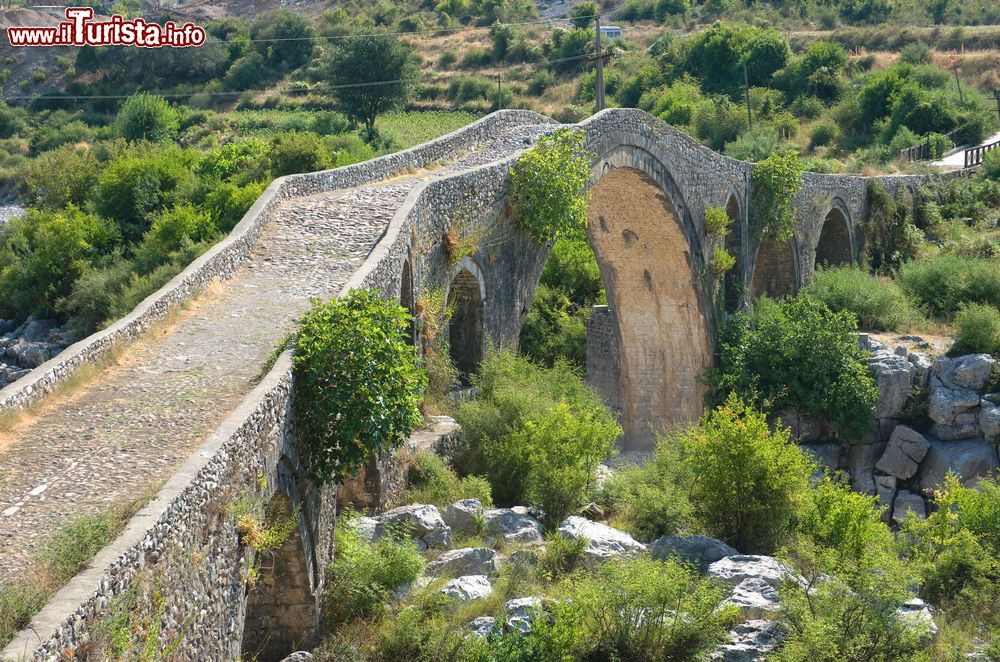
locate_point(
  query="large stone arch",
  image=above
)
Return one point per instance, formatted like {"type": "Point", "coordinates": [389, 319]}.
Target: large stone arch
{"type": "Point", "coordinates": [835, 247]}
{"type": "Point", "coordinates": [775, 271]}
{"type": "Point", "coordinates": [650, 259]}
{"type": "Point", "coordinates": [466, 299]}
{"type": "Point", "coordinates": [282, 613]}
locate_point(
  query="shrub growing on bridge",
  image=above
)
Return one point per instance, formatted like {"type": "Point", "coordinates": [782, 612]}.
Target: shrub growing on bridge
{"type": "Point", "coordinates": [797, 355]}
{"type": "Point", "coordinates": [774, 183]}
{"type": "Point", "coordinates": [358, 385]}
{"type": "Point", "coordinates": [550, 184]}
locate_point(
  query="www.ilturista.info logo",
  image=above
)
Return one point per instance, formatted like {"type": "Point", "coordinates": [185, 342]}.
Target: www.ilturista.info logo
{"type": "Point", "coordinates": [79, 30]}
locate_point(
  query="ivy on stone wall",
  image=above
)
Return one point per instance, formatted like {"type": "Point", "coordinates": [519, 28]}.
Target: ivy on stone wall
{"type": "Point", "coordinates": [774, 183]}
{"type": "Point", "coordinates": [890, 236]}
{"type": "Point", "coordinates": [358, 384]}
{"type": "Point", "coordinates": [550, 186]}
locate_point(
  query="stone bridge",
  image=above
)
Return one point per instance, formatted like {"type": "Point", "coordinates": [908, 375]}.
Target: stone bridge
{"type": "Point", "coordinates": [183, 403]}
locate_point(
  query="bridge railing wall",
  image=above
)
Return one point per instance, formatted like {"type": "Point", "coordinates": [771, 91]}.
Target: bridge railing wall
{"type": "Point", "coordinates": [223, 260]}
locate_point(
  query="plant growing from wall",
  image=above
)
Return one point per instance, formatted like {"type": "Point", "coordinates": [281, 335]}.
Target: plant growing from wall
{"type": "Point", "coordinates": [550, 186]}
{"type": "Point", "coordinates": [891, 238]}
{"type": "Point", "coordinates": [774, 183]}
{"type": "Point", "coordinates": [358, 385]}
{"type": "Point", "coordinates": [717, 221]}
{"type": "Point", "coordinates": [721, 261]}
{"type": "Point", "coordinates": [433, 314]}
{"type": "Point", "coordinates": [466, 235]}
{"type": "Point", "coordinates": [260, 527]}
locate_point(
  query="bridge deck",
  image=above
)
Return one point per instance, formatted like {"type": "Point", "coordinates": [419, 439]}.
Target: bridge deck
{"type": "Point", "coordinates": [126, 430]}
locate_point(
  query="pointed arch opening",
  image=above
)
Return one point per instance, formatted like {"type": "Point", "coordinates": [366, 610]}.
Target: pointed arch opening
{"type": "Point", "coordinates": [465, 328]}
{"type": "Point", "coordinates": [733, 288]}
{"type": "Point", "coordinates": [834, 247]}
{"type": "Point", "coordinates": [407, 301]}
{"type": "Point", "coordinates": [281, 613]}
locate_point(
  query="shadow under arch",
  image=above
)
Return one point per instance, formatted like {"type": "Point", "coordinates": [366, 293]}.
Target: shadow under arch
{"type": "Point", "coordinates": [407, 301]}
{"type": "Point", "coordinates": [774, 270]}
{"type": "Point", "coordinates": [650, 261]}
{"type": "Point", "coordinates": [835, 247]}
{"type": "Point", "coordinates": [732, 283]}
{"type": "Point", "coordinates": [466, 298]}
{"type": "Point", "coordinates": [282, 612]}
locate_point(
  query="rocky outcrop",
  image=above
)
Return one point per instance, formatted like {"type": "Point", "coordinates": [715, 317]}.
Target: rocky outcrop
{"type": "Point", "coordinates": [467, 588]}
{"type": "Point", "coordinates": [520, 612]}
{"type": "Point", "coordinates": [696, 550]}
{"type": "Point", "coordinates": [907, 502]}
{"type": "Point", "coordinates": [421, 522]}
{"type": "Point", "coordinates": [481, 626]}
{"type": "Point", "coordinates": [28, 346]}
{"type": "Point", "coordinates": [467, 561]}
{"type": "Point", "coordinates": [904, 452]}
{"type": "Point", "coordinates": [463, 516]}
{"type": "Point", "coordinates": [603, 541]}
{"type": "Point", "coordinates": [514, 525]}
{"type": "Point", "coordinates": [734, 569]}
{"type": "Point", "coordinates": [750, 641]}
{"type": "Point", "coordinates": [970, 459]}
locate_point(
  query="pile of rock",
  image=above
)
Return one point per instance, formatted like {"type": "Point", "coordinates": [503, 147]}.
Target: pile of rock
{"type": "Point", "coordinates": [28, 346]}
{"type": "Point", "coordinates": [900, 463]}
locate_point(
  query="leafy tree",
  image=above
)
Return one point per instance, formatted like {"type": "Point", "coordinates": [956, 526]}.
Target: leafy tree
{"type": "Point", "coordinates": [748, 485]}
{"type": "Point", "coordinates": [284, 39]}
{"type": "Point", "coordinates": [43, 253]}
{"type": "Point", "coordinates": [549, 186]}
{"type": "Point", "coordinates": [146, 117]}
{"type": "Point", "coordinates": [60, 177]}
{"type": "Point", "coordinates": [511, 391]}
{"type": "Point", "coordinates": [582, 15]}
{"type": "Point", "coordinates": [359, 69]}
{"type": "Point", "coordinates": [718, 54]}
{"type": "Point", "coordinates": [774, 183]}
{"type": "Point", "coordinates": [866, 11]}
{"type": "Point", "coordinates": [138, 184]}
{"type": "Point", "coordinates": [296, 152]}
{"type": "Point", "coordinates": [797, 355]}
{"type": "Point", "coordinates": [358, 385]}
{"type": "Point", "coordinates": [171, 231]}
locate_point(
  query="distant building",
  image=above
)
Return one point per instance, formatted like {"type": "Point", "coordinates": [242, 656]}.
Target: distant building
{"type": "Point", "coordinates": [611, 31]}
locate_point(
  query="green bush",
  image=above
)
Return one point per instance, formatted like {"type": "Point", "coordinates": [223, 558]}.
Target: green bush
{"type": "Point", "coordinates": [649, 500]}
{"type": "Point", "coordinates": [549, 184]}
{"type": "Point", "coordinates": [748, 486]}
{"type": "Point", "coordinates": [878, 303]}
{"type": "Point", "coordinates": [19, 602]}
{"type": "Point", "coordinates": [823, 133]}
{"type": "Point", "coordinates": [942, 284]}
{"type": "Point", "coordinates": [563, 447]}
{"type": "Point", "coordinates": [60, 177]}
{"type": "Point", "coordinates": [510, 391]}
{"type": "Point", "coordinates": [774, 183]}
{"type": "Point", "coordinates": [431, 480]}
{"type": "Point", "coordinates": [991, 164]}
{"type": "Point", "coordinates": [798, 355]}
{"type": "Point", "coordinates": [362, 577]}
{"type": "Point", "coordinates": [242, 161]}
{"type": "Point", "coordinates": [140, 183]}
{"type": "Point", "coordinates": [294, 152]}
{"type": "Point", "coordinates": [42, 254]}
{"type": "Point", "coordinates": [637, 610]}
{"type": "Point", "coordinates": [147, 117]}
{"type": "Point", "coordinates": [172, 231]}
{"type": "Point", "coordinates": [561, 556]}
{"type": "Point", "coordinates": [226, 203]}
{"type": "Point", "coordinates": [977, 330]}
{"type": "Point", "coordinates": [358, 386]}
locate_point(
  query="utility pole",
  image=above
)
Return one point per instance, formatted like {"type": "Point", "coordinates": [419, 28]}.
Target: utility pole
{"type": "Point", "coordinates": [499, 94]}
{"type": "Point", "coordinates": [600, 65]}
{"type": "Point", "coordinates": [996, 93]}
{"type": "Point", "coordinates": [958, 82]}
{"type": "Point", "coordinates": [746, 93]}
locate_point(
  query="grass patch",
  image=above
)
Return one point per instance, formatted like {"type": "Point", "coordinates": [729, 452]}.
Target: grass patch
{"type": "Point", "coordinates": [70, 549]}
{"type": "Point", "coordinates": [415, 127]}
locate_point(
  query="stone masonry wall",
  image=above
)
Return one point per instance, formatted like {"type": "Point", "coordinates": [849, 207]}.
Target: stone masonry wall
{"type": "Point", "coordinates": [603, 374]}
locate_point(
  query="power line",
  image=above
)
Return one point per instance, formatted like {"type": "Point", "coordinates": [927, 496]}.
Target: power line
{"type": "Point", "coordinates": [293, 90]}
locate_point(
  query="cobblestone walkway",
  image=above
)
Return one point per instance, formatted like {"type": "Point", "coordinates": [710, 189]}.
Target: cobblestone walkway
{"type": "Point", "coordinates": [129, 428]}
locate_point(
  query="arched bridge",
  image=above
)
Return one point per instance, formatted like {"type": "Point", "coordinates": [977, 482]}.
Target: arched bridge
{"type": "Point", "coordinates": [185, 405]}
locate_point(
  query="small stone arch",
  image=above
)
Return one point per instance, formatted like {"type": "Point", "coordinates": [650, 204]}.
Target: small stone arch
{"type": "Point", "coordinates": [774, 270]}
{"type": "Point", "coordinates": [406, 300]}
{"type": "Point", "coordinates": [731, 284]}
{"type": "Point", "coordinates": [835, 248]}
{"type": "Point", "coordinates": [466, 297]}
{"type": "Point", "coordinates": [281, 610]}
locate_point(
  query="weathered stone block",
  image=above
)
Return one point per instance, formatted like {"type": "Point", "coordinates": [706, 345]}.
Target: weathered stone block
{"type": "Point", "coordinates": [903, 453]}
